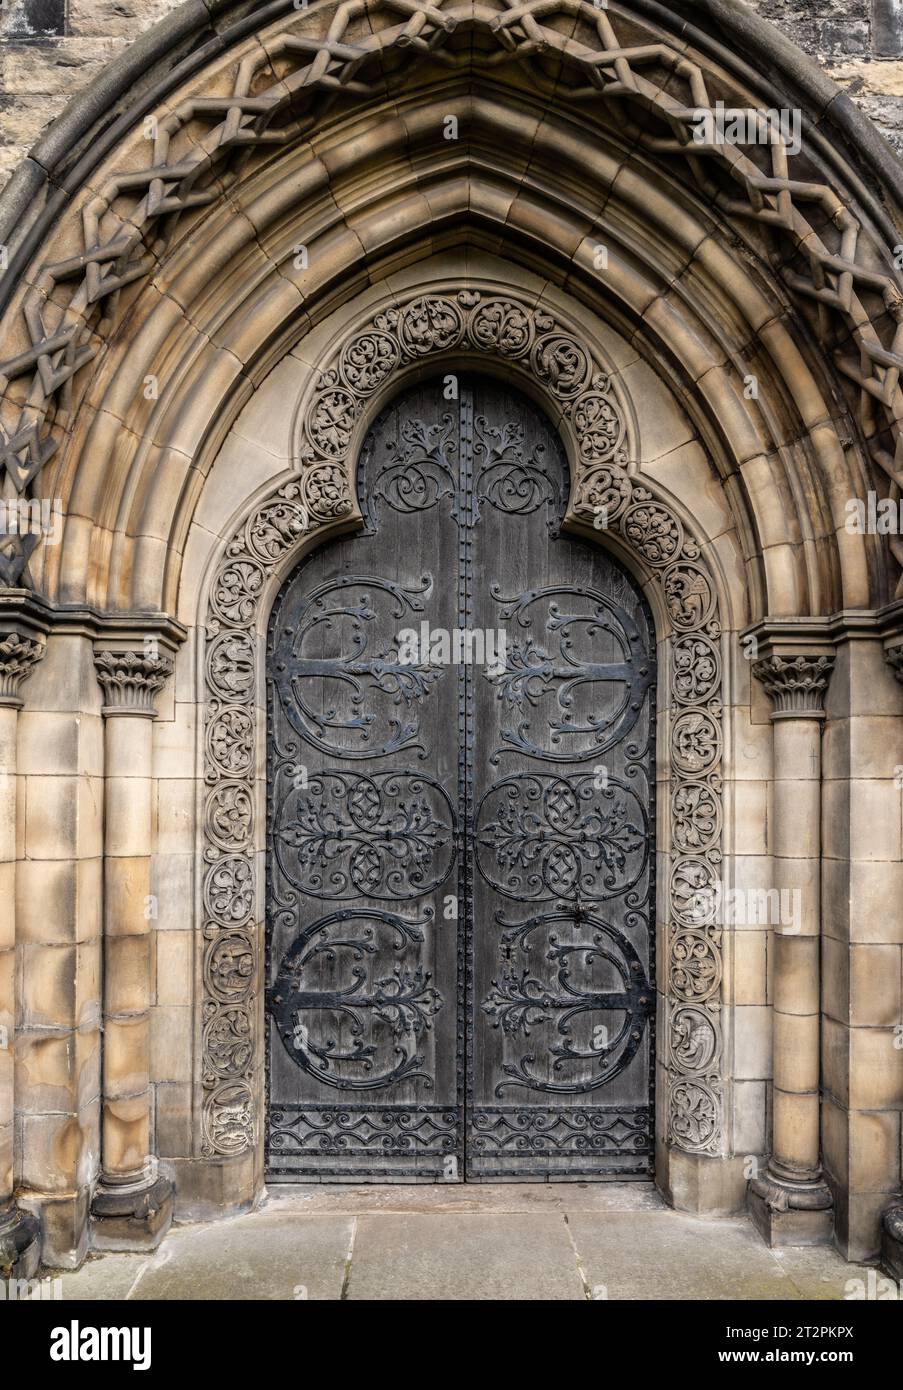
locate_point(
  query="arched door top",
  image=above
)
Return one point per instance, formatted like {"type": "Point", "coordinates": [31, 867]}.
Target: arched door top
{"type": "Point", "coordinates": [262, 552]}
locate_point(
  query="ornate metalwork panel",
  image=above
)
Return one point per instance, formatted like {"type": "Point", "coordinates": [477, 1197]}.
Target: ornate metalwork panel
{"type": "Point", "coordinates": [460, 810]}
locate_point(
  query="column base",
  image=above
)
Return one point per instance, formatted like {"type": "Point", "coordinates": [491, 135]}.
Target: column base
{"type": "Point", "coordinates": [703, 1184]}
{"type": "Point", "coordinates": [20, 1244]}
{"type": "Point", "coordinates": [892, 1242]}
{"type": "Point", "coordinates": [791, 1213]}
{"type": "Point", "coordinates": [131, 1218]}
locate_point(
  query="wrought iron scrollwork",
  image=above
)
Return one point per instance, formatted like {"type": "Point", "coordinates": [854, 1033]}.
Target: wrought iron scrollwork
{"type": "Point", "coordinates": [387, 835]}
{"type": "Point", "coordinates": [548, 675]}
{"type": "Point", "coordinates": [560, 1132]}
{"type": "Point", "coordinates": [344, 1028]}
{"type": "Point", "coordinates": [505, 479]}
{"type": "Point", "coordinates": [359, 1131]}
{"type": "Point", "coordinates": [565, 999]}
{"type": "Point", "coordinates": [422, 470]}
{"type": "Point", "coordinates": [541, 836]}
{"type": "Point", "coordinates": [419, 472]}
{"type": "Point", "coordinates": [344, 613]}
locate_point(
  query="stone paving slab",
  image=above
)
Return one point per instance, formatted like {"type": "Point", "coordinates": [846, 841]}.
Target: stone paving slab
{"type": "Point", "coordinates": [275, 1260]}
{"type": "Point", "coordinates": [433, 1197]}
{"type": "Point", "coordinates": [498, 1242]}
{"type": "Point", "coordinates": [668, 1255]}
{"type": "Point", "coordinates": [477, 1256]}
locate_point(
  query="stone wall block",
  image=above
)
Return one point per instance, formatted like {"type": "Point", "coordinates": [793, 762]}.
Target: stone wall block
{"type": "Point", "coordinates": [876, 902]}
{"type": "Point", "coordinates": [6, 1155]}
{"type": "Point", "coordinates": [7, 906]}
{"type": "Point", "coordinates": [174, 1119]}
{"type": "Point", "coordinates": [875, 820]}
{"type": "Point", "coordinates": [44, 1071]}
{"type": "Point", "coordinates": [876, 1069]}
{"type": "Point", "coordinates": [128, 968]}
{"type": "Point", "coordinates": [51, 1152]}
{"type": "Point", "coordinates": [171, 1044]}
{"type": "Point", "coordinates": [7, 998]}
{"type": "Point", "coordinates": [751, 817]}
{"type": "Point", "coordinates": [835, 978]}
{"type": "Point", "coordinates": [51, 817]}
{"type": "Point", "coordinates": [876, 985]}
{"type": "Point", "coordinates": [50, 743]}
{"type": "Point", "coordinates": [48, 977]}
{"type": "Point", "coordinates": [752, 1043]}
{"type": "Point", "coordinates": [875, 1151]}
{"type": "Point", "coordinates": [835, 1060]}
{"type": "Point", "coordinates": [47, 902]}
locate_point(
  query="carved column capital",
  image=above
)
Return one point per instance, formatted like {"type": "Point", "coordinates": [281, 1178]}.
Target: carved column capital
{"type": "Point", "coordinates": [894, 658]}
{"type": "Point", "coordinates": [18, 657]}
{"type": "Point", "coordinates": [797, 684]}
{"type": "Point", "coordinates": [130, 679]}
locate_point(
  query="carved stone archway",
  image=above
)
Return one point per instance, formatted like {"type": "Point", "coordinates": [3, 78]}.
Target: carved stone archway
{"type": "Point", "coordinates": [573, 382]}
{"type": "Point", "coordinates": [173, 257]}
{"type": "Point", "coordinates": [72, 284]}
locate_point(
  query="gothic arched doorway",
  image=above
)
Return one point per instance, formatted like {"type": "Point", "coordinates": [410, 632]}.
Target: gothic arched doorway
{"type": "Point", "coordinates": [460, 892]}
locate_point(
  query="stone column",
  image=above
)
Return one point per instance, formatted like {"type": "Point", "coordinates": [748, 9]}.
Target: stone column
{"type": "Point", "coordinates": [132, 1207]}
{"type": "Point", "coordinates": [892, 1221]}
{"type": "Point", "coordinates": [20, 1244]}
{"type": "Point", "coordinates": [791, 1203]}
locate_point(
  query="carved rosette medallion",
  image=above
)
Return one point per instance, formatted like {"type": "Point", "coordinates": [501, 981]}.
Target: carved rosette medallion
{"type": "Point", "coordinates": [502, 326]}
{"type": "Point", "coordinates": [579, 387]}
{"type": "Point", "coordinates": [693, 1036]}
{"type": "Point", "coordinates": [231, 909]}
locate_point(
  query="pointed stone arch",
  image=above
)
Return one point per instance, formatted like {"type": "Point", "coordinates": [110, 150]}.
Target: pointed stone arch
{"type": "Point", "coordinates": [132, 197]}
{"type": "Point", "coordinates": [165, 252]}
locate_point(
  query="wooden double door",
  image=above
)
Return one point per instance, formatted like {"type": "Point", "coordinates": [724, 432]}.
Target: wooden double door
{"type": "Point", "coordinates": [460, 868]}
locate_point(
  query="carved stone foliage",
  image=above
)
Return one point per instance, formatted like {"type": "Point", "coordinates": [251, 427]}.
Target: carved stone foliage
{"type": "Point", "coordinates": [130, 680]}
{"type": "Point", "coordinates": [894, 658]}
{"type": "Point", "coordinates": [796, 684]}
{"type": "Point", "coordinates": [230, 897]}
{"type": "Point", "coordinates": [693, 1040]}
{"type": "Point", "coordinates": [499, 325]}
{"type": "Point", "coordinates": [18, 657]}
{"type": "Point", "coordinates": [613, 846]}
